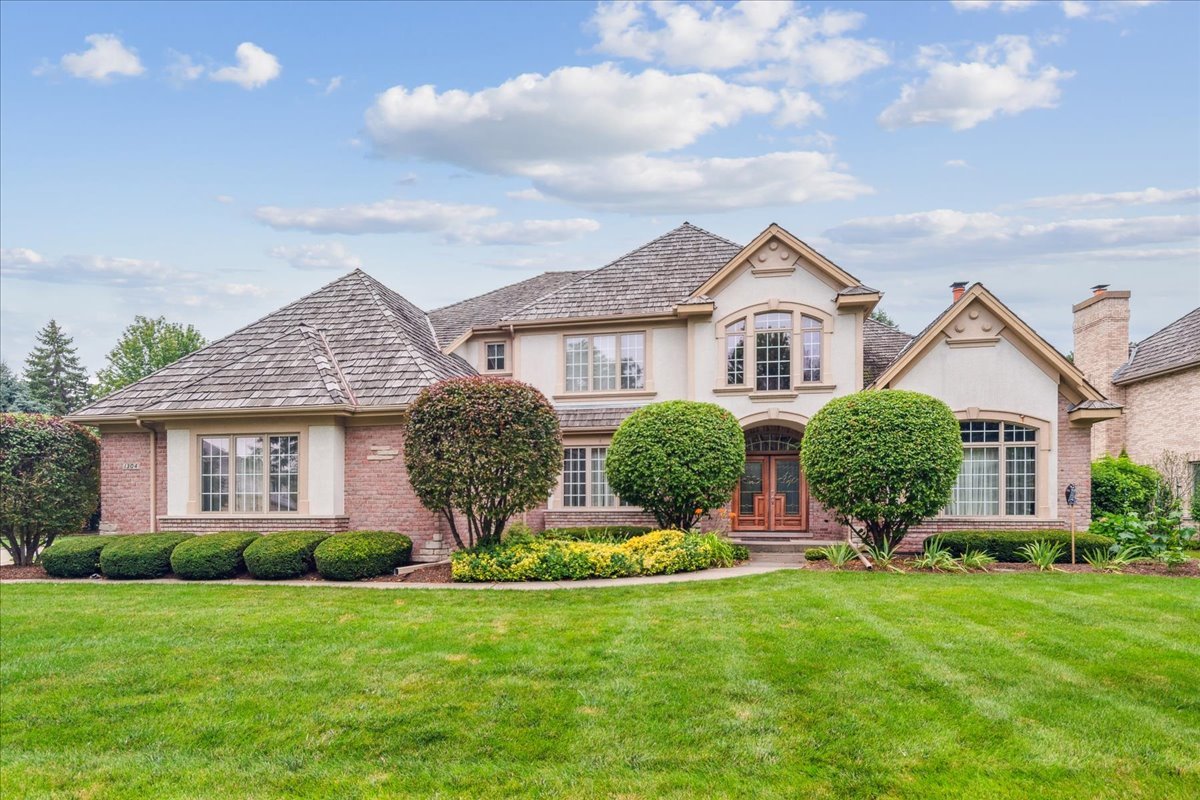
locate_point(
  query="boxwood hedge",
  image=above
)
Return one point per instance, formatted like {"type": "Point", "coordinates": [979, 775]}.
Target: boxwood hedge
{"type": "Point", "coordinates": [75, 556]}
{"type": "Point", "coordinates": [144, 555]}
{"type": "Point", "coordinates": [361, 554]}
{"type": "Point", "coordinates": [1006, 545]}
{"type": "Point", "coordinates": [280, 556]}
{"type": "Point", "coordinates": [211, 557]}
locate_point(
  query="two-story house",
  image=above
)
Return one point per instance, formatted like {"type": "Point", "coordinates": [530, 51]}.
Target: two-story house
{"type": "Point", "coordinates": [295, 421]}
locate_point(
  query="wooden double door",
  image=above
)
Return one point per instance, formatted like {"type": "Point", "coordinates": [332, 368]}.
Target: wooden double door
{"type": "Point", "coordinates": [771, 495]}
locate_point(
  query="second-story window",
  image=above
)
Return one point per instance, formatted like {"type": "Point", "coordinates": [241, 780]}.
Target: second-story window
{"type": "Point", "coordinates": [496, 357]}
{"type": "Point", "coordinates": [761, 346]}
{"type": "Point", "coordinates": [605, 362]}
{"type": "Point", "coordinates": [735, 353]}
{"type": "Point", "coordinates": [773, 350]}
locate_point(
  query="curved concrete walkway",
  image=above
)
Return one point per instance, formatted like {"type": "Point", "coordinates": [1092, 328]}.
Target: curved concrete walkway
{"type": "Point", "coordinates": [594, 583]}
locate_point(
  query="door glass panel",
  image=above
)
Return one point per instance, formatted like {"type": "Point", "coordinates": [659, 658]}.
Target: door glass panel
{"type": "Point", "coordinates": [751, 487]}
{"type": "Point", "coordinates": [787, 483]}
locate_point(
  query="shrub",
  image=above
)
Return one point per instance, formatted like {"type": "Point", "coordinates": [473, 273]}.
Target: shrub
{"type": "Point", "coordinates": [144, 555]}
{"type": "Point", "coordinates": [1006, 545]}
{"type": "Point", "coordinates": [280, 556]}
{"type": "Point", "coordinates": [1120, 486]}
{"type": "Point", "coordinates": [483, 449]}
{"type": "Point", "coordinates": [882, 460]}
{"type": "Point", "coordinates": [839, 554]}
{"type": "Point", "coordinates": [677, 460]}
{"type": "Point", "coordinates": [936, 556]}
{"type": "Point", "coordinates": [75, 556]}
{"type": "Point", "coordinates": [49, 481]}
{"type": "Point", "coordinates": [740, 552]}
{"type": "Point", "coordinates": [977, 559]}
{"type": "Point", "coordinates": [655, 553]}
{"type": "Point", "coordinates": [1150, 537]}
{"type": "Point", "coordinates": [1043, 554]}
{"type": "Point", "coordinates": [613, 534]}
{"type": "Point", "coordinates": [211, 557]}
{"type": "Point", "coordinates": [815, 554]}
{"type": "Point", "coordinates": [361, 554]}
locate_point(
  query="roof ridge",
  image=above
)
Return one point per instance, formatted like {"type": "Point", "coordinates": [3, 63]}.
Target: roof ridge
{"type": "Point", "coordinates": [373, 286]}
{"type": "Point", "coordinates": [316, 340]}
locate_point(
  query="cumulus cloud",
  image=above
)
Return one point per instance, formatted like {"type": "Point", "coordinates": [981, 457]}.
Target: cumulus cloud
{"type": "Point", "coordinates": [525, 194]}
{"type": "Point", "coordinates": [324, 255]}
{"type": "Point", "coordinates": [1140, 197]}
{"type": "Point", "coordinates": [1000, 79]}
{"type": "Point", "coordinates": [255, 67]}
{"type": "Point", "coordinates": [984, 5]}
{"type": "Point", "coordinates": [182, 69]}
{"type": "Point", "coordinates": [1107, 10]}
{"type": "Point", "coordinates": [530, 231]}
{"type": "Point", "coordinates": [1074, 9]}
{"type": "Point", "coordinates": [774, 41]}
{"type": "Point", "coordinates": [385, 216]}
{"type": "Point", "coordinates": [797, 108]}
{"type": "Point", "coordinates": [105, 58]}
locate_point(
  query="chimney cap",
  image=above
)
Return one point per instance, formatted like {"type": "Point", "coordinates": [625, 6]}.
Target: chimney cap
{"type": "Point", "coordinates": [1100, 288]}
{"type": "Point", "coordinates": [958, 285]}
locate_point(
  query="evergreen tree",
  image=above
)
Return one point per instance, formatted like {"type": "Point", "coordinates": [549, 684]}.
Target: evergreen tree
{"type": "Point", "coordinates": [879, 315]}
{"type": "Point", "coordinates": [56, 379]}
{"type": "Point", "coordinates": [145, 346]}
{"type": "Point", "coordinates": [14, 393]}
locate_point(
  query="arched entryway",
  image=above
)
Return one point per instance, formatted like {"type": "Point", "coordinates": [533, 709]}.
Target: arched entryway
{"type": "Point", "coordinates": [772, 495]}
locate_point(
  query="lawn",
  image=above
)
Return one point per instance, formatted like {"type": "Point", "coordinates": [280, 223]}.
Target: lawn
{"type": "Point", "coordinates": [793, 684]}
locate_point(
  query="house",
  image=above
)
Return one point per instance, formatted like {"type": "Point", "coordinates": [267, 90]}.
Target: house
{"type": "Point", "coordinates": [295, 421]}
{"type": "Point", "coordinates": [1157, 380]}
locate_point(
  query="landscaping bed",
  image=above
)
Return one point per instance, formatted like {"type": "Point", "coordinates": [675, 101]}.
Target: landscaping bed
{"type": "Point", "coordinates": [1190, 569]}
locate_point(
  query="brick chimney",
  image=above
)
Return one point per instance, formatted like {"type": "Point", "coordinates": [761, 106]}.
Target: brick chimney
{"type": "Point", "coordinates": [956, 290]}
{"type": "Point", "coordinates": [1101, 346]}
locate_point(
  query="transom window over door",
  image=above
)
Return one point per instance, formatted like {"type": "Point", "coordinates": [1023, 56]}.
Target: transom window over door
{"type": "Point", "coordinates": [761, 345]}
{"type": "Point", "coordinates": [998, 476]}
{"type": "Point", "coordinates": [264, 474]}
{"type": "Point", "coordinates": [605, 362]}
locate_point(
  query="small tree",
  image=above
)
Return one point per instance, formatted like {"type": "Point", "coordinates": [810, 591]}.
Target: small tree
{"type": "Point", "coordinates": [49, 481]}
{"type": "Point", "coordinates": [14, 392]}
{"type": "Point", "coordinates": [882, 461]}
{"type": "Point", "coordinates": [56, 379]}
{"type": "Point", "coordinates": [879, 315]}
{"type": "Point", "coordinates": [1120, 485]}
{"type": "Point", "coordinates": [485, 448]}
{"type": "Point", "coordinates": [677, 460]}
{"type": "Point", "coordinates": [145, 346]}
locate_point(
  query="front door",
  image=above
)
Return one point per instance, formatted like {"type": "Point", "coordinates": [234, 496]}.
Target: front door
{"type": "Point", "coordinates": [771, 494]}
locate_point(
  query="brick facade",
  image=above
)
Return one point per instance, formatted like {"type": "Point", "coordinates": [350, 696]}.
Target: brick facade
{"type": "Point", "coordinates": [1163, 415]}
{"type": "Point", "coordinates": [1101, 329]}
{"type": "Point", "coordinates": [273, 524]}
{"type": "Point", "coordinates": [1074, 466]}
{"type": "Point", "coordinates": [125, 482]}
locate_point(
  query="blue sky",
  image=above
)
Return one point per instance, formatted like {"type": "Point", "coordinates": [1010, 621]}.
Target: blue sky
{"type": "Point", "coordinates": [211, 162]}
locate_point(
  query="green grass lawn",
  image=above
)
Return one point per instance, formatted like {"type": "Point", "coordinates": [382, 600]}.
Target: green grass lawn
{"type": "Point", "coordinates": [793, 684]}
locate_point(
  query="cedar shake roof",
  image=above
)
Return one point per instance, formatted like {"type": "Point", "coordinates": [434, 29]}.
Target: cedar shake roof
{"type": "Point", "coordinates": [654, 278]}
{"type": "Point", "coordinates": [1175, 347]}
{"type": "Point", "coordinates": [595, 417]}
{"type": "Point", "coordinates": [881, 344]}
{"type": "Point", "coordinates": [354, 342]}
{"type": "Point", "coordinates": [487, 309]}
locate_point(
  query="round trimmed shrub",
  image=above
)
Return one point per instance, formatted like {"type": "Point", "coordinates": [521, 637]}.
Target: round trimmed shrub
{"type": "Point", "coordinates": [284, 555]}
{"type": "Point", "coordinates": [75, 556]}
{"type": "Point", "coordinates": [143, 555]}
{"type": "Point", "coordinates": [677, 460]}
{"type": "Point", "coordinates": [212, 556]}
{"type": "Point", "coordinates": [361, 554]}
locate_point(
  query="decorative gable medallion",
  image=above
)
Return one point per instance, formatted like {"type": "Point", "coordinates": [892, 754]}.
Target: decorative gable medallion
{"type": "Point", "coordinates": [775, 257]}
{"type": "Point", "coordinates": [974, 326]}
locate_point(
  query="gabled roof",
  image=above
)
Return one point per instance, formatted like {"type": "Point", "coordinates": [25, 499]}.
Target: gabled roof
{"type": "Point", "coordinates": [1175, 347]}
{"type": "Point", "coordinates": [485, 310]}
{"type": "Point", "coordinates": [353, 343]}
{"type": "Point", "coordinates": [652, 279]}
{"type": "Point", "coordinates": [881, 344]}
{"type": "Point", "coordinates": [1069, 374]}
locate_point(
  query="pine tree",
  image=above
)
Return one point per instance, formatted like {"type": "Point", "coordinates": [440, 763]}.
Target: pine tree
{"type": "Point", "coordinates": [56, 378]}
{"type": "Point", "coordinates": [14, 392]}
{"type": "Point", "coordinates": [145, 346]}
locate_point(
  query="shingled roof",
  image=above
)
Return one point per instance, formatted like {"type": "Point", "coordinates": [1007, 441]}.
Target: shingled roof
{"type": "Point", "coordinates": [353, 343]}
{"type": "Point", "coordinates": [487, 309]}
{"type": "Point", "coordinates": [881, 344]}
{"type": "Point", "coordinates": [1175, 347]}
{"type": "Point", "coordinates": [654, 278]}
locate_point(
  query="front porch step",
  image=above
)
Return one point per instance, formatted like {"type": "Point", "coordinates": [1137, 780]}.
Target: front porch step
{"type": "Point", "coordinates": [777, 543]}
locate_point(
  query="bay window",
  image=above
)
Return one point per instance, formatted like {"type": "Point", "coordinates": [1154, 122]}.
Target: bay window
{"type": "Point", "coordinates": [998, 476]}
{"type": "Point", "coordinates": [605, 362]}
{"type": "Point", "coordinates": [250, 474]}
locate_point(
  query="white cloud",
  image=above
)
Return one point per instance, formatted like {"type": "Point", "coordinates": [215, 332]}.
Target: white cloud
{"type": "Point", "coordinates": [797, 108]}
{"type": "Point", "coordinates": [1000, 80]}
{"type": "Point", "coordinates": [1074, 9]}
{"type": "Point", "coordinates": [256, 67]}
{"type": "Point", "coordinates": [530, 231]}
{"type": "Point", "coordinates": [1140, 197]}
{"type": "Point", "coordinates": [223, 198]}
{"type": "Point", "coordinates": [324, 255]}
{"type": "Point", "coordinates": [957, 163]}
{"type": "Point", "coordinates": [327, 87]}
{"type": "Point", "coordinates": [242, 290]}
{"type": "Point", "coordinates": [1107, 10]}
{"type": "Point", "coordinates": [572, 114]}
{"type": "Point", "coordinates": [182, 69]}
{"type": "Point", "coordinates": [105, 58]}
{"type": "Point", "coordinates": [983, 5]}
{"type": "Point", "coordinates": [386, 216]}
{"type": "Point", "coordinates": [17, 258]}
{"type": "Point", "coordinates": [776, 40]}
{"type": "Point", "coordinates": [525, 194]}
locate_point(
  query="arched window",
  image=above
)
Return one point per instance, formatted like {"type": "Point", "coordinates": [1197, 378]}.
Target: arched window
{"type": "Point", "coordinates": [998, 476]}
{"type": "Point", "coordinates": [772, 439]}
{"type": "Point", "coordinates": [760, 346]}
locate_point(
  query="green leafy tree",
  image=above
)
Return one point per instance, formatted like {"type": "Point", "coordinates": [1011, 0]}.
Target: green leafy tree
{"type": "Point", "coordinates": [882, 461]}
{"type": "Point", "coordinates": [56, 378]}
{"type": "Point", "coordinates": [14, 393]}
{"type": "Point", "coordinates": [49, 481]}
{"type": "Point", "coordinates": [677, 460]}
{"type": "Point", "coordinates": [879, 315]}
{"type": "Point", "coordinates": [483, 449]}
{"type": "Point", "coordinates": [1120, 486]}
{"type": "Point", "coordinates": [145, 346]}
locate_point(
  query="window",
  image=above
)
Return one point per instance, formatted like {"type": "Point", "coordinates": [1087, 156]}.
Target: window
{"type": "Point", "coordinates": [606, 363]}
{"type": "Point", "coordinates": [773, 361]}
{"type": "Point", "coordinates": [584, 481]}
{"type": "Point", "coordinates": [495, 356]}
{"type": "Point", "coordinates": [998, 476]}
{"type": "Point", "coordinates": [262, 479]}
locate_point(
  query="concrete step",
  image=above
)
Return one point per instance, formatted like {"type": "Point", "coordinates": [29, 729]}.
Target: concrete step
{"type": "Point", "coordinates": [778, 544]}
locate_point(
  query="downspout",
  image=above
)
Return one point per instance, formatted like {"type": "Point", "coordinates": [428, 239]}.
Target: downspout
{"type": "Point", "coordinates": [153, 474]}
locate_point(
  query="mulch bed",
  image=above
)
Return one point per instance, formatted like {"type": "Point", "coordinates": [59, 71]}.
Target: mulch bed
{"type": "Point", "coordinates": [1191, 569]}
{"type": "Point", "coordinates": [9, 572]}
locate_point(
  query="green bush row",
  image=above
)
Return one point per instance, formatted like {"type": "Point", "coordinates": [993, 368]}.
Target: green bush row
{"type": "Point", "coordinates": [596, 533]}
{"type": "Point", "coordinates": [276, 556]}
{"type": "Point", "coordinates": [1006, 545]}
{"type": "Point", "coordinates": [656, 553]}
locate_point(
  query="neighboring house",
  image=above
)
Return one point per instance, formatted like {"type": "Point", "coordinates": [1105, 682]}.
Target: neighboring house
{"type": "Point", "coordinates": [1157, 380]}
{"type": "Point", "coordinates": [295, 421]}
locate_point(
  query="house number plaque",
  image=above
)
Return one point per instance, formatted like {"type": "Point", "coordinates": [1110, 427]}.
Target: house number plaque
{"type": "Point", "coordinates": [132, 466]}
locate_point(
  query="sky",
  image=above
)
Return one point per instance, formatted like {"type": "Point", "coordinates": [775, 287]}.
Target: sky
{"type": "Point", "coordinates": [212, 162]}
